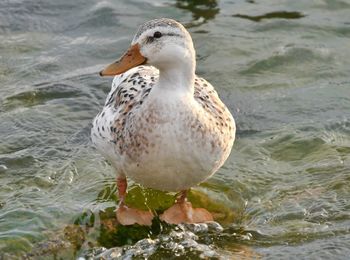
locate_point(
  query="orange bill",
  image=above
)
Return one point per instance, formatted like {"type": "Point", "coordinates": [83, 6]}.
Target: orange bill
{"type": "Point", "coordinates": [130, 59]}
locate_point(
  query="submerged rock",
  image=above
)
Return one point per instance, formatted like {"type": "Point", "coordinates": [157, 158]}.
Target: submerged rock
{"type": "Point", "coordinates": [184, 240]}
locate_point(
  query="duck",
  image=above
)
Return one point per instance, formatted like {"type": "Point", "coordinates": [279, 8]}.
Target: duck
{"type": "Point", "coordinates": [162, 126]}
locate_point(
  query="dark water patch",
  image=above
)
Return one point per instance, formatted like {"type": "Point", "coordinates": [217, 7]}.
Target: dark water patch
{"type": "Point", "coordinates": [342, 31]}
{"type": "Point", "coordinates": [343, 150]}
{"type": "Point", "coordinates": [246, 132]}
{"type": "Point", "coordinates": [41, 95]}
{"type": "Point", "coordinates": [263, 87]}
{"type": "Point", "coordinates": [20, 165]}
{"type": "Point", "coordinates": [202, 9]}
{"type": "Point", "coordinates": [298, 237]}
{"type": "Point", "coordinates": [272, 15]}
{"type": "Point", "coordinates": [201, 31]}
{"type": "Point", "coordinates": [296, 149]}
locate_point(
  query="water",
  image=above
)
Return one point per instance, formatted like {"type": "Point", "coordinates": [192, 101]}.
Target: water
{"type": "Point", "coordinates": [282, 67]}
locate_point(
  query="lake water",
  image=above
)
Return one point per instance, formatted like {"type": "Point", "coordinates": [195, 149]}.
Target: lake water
{"type": "Point", "coordinates": [282, 68]}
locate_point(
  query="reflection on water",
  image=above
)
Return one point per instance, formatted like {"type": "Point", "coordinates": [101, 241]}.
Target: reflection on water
{"type": "Point", "coordinates": [201, 10]}
{"type": "Point", "coordinates": [272, 15]}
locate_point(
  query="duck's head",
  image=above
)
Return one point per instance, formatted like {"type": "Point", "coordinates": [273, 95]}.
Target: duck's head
{"type": "Point", "coordinates": [163, 43]}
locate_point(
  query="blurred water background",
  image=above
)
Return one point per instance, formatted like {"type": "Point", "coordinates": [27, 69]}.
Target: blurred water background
{"type": "Point", "coordinates": [283, 69]}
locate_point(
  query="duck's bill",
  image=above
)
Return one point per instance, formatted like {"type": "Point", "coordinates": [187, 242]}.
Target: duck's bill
{"type": "Point", "coordinates": [130, 59]}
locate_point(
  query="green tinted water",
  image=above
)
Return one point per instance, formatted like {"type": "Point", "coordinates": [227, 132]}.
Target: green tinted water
{"type": "Point", "coordinates": [282, 68]}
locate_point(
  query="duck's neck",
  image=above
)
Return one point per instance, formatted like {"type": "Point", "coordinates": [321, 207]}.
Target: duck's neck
{"type": "Point", "coordinates": [178, 76]}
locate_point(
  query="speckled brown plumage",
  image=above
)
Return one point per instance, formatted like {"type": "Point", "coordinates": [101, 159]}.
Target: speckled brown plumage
{"type": "Point", "coordinates": [130, 134]}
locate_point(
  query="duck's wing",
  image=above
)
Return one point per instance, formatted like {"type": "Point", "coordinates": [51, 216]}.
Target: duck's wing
{"type": "Point", "coordinates": [129, 91]}
{"type": "Point", "coordinates": [131, 87]}
{"type": "Point", "coordinates": [207, 97]}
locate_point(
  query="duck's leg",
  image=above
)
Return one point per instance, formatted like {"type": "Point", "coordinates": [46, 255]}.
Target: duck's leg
{"type": "Point", "coordinates": [129, 216]}
{"type": "Point", "coordinates": [182, 212]}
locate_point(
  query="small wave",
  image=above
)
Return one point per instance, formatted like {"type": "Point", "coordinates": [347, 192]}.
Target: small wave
{"type": "Point", "coordinates": [40, 95]}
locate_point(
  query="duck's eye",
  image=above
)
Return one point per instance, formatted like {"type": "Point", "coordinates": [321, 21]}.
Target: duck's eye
{"type": "Point", "coordinates": [157, 34]}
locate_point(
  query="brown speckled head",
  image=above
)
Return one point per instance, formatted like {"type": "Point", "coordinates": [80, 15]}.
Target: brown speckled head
{"type": "Point", "coordinates": [158, 23]}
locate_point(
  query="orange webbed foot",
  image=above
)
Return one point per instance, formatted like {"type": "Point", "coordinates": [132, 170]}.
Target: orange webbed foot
{"type": "Point", "coordinates": [129, 216]}
{"type": "Point", "coordinates": [183, 212]}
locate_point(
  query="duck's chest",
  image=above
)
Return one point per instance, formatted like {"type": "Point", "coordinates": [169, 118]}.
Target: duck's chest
{"type": "Point", "coordinates": [169, 130]}
{"type": "Point", "coordinates": [171, 146]}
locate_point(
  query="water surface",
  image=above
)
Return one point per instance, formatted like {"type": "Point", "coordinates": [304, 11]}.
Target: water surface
{"type": "Point", "coordinates": [282, 68]}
